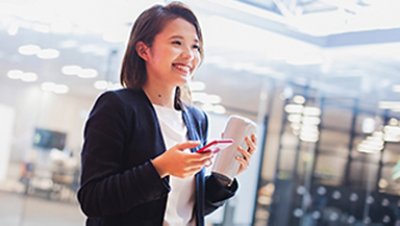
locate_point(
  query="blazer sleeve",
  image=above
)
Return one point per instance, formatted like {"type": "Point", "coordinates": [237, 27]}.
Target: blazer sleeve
{"type": "Point", "coordinates": [215, 192]}
{"type": "Point", "coordinates": [106, 188]}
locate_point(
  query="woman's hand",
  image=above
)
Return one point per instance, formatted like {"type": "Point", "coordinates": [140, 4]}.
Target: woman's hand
{"type": "Point", "coordinates": [244, 160]}
{"type": "Point", "coordinates": [176, 162]}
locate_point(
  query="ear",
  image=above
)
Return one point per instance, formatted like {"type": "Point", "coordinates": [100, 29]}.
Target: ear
{"type": "Point", "coordinates": [142, 50]}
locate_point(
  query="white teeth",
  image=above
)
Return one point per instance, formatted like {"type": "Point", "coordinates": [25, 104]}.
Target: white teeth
{"type": "Point", "coordinates": [183, 68]}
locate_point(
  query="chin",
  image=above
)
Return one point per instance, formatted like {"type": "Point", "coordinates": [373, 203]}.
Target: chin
{"type": "Point", "coordinates": [184, 80]}
{"type": "Point", "coordinates": [181, 83]}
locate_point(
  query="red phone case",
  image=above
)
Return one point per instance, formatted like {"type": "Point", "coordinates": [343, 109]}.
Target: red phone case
{"type": "Point", "coordinates": [216, 145]}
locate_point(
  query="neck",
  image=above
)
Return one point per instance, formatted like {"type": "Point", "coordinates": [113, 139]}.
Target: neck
{"type": "Point", "coordinates": [160, 95]}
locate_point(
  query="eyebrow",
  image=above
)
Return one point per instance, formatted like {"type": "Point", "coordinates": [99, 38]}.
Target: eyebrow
{"type": "Point", "coordinates": [181, 37]}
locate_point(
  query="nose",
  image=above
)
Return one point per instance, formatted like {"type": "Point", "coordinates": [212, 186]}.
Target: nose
{"type": "Point", "coordinates": [188, 53]}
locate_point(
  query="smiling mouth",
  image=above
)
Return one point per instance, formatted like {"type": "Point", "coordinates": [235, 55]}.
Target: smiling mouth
{"type": "Point", "coordinates": [182, 68]}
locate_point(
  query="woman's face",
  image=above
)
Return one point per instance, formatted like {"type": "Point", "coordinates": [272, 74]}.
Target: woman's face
{"type": "Point", "coordinates": [174, 55]}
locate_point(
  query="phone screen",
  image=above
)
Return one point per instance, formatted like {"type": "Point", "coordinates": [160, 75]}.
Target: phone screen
{"type": "Point", "coordinates": [216, 145]}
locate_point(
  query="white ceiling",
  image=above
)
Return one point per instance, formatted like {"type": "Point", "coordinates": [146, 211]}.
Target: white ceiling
{"type": "Point", "coordinates": [92, 34]}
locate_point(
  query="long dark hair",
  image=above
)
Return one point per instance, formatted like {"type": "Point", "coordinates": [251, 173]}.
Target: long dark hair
{"type": "Point", "coordinates": [146, 27]}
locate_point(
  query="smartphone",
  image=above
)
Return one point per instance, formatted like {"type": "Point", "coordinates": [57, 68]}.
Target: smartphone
{"type": "Point", "coordinates": [216, 145]}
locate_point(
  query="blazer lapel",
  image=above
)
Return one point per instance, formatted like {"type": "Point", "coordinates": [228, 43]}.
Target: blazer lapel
{"type": "Point", "coordinates": [192, 134]}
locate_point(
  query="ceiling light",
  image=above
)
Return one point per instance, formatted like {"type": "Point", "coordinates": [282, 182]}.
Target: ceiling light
{"type": "Point", "coordinates": [197, 86]}
{"type": "Point", "coordinates": [207, 107]}
{"type": "Point", "coordinates": [55, 88]}
{"type": "Point", "coordinates": [206, 98]}
{"type": "Point", "coordinates": [48, 54]}
{"type": "Point", "coordinates": [29, 49]}
{"type": "Point", "coordinates": [90, 48]}
{"type": "Point", "coordinates": [219, 109]}
{"type": "Point", "coordinates": [299, 99]}
{"type": "Point", "coordinates": [372, 144]}
{"type": "Point", "coordinates": [29, 77]}
{"type": "Point", "coordinates": [213, 99]}
{"type": "Point", "coordinates": [309, 129]}
{"type": "Point", "coordinates": [368, 125]}
{"type": "Point", "coordinates": [393, 122]}
{"type": "Point", "coordinates": [366, 149]}
{"type": "Point", "coordinates": [15, 74]}
{"type": "Point", "coordinates": [287, 93]}
{"type": "Point", "coordinates": [294, 108]}
{"type": "Point", "coordinates": [71, 69]}
{"type": "Point", "coordinates": [392, 133]}
{"type": "Point", "coordinates": [61, 89]}
{"type": "Point", "coordinates": [389, 104]}
{"type": "Point", "coordinates": [114, 86]}
{"type": "Point", "coordinates": [312, 111]}
{"type": "Point", "coordinates": [199, 96]}
{"type": "Point", "coordinates": [101, 85]}
{"type": "Point", "coordinates": [374, 141]}
{"type": "Point", "coordinates": [48, 86]}
{"type": "Point", "coordinates": [294, 118]}
{"type": "Point", "coordinates": [88, 73]}
{"type": "Point", "coordinates": [383, 183]}
{"type": "Point", "coordinates": [309, 137]}
{"type": "Point", "coordinates": [295, 126]}
{"type": "Point", "coordinates": [311, 120]}
{"type": "Point", "coordinates": [13, 29]}
{"type": "Point", "coordinates": [68, 44]}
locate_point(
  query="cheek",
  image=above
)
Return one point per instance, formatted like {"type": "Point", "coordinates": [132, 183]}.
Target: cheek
{"type": "Point", "coordinates": [162, 54]}
{"type": "Point", "coordinates": [197, 60]}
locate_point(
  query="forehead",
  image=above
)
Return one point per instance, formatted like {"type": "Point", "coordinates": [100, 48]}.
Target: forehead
{"type": "Point", "coordinates": [179, 27]}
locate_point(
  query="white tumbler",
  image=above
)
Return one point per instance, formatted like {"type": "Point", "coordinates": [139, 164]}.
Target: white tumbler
{"type": "Point", "coordinates": [236, 128]}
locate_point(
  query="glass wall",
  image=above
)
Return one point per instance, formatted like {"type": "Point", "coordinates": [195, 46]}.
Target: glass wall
{"type": "Point", "coordinates": [336, 160]}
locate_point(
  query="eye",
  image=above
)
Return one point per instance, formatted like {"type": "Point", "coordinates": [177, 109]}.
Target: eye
{"type": "Point", "coordinates": [176, 42]}
{"type": "Point", "coordinates": [196, 47]}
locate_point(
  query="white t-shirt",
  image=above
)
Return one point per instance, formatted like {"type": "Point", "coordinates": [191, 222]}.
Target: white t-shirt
{"type": "Point", "coordinates": [180, 204]}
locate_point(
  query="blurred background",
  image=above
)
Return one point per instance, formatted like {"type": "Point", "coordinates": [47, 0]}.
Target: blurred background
{"type": "Point", "coordinates": [321, 78]}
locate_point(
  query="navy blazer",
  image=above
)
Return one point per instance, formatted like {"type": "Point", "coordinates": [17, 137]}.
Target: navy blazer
{"type": "Point", "coordinates": [119, 184]}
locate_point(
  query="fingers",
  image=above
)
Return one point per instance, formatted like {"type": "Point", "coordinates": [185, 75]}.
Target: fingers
{"type": "Point", "coordinates": [243, 163]}
{"type": "Point", "coordinates": [198, 166]}
{"type": "Point", "coordinates": [188, 169]}
{"type": "Point", "coordinates": [253, 138]}
{"type": "Point", "coordinates": [194, 168]}
{"type": "Point", "coordinates": [246, 155]}
{"type": "Point", "coordinates": [208, 163]}
{"type": "Point", "coordinates": [201, 159]}
{"type": "Point", "coordinates": [251, 144]}
{"type": "Point", "coordinates": [186, 145]}
{"type": "Point", "coordinates": [203, 155]}
{"type": "Point", "coordinates": [197, 159]}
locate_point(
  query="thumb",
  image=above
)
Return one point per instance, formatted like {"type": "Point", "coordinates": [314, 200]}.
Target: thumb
{"type": "Point", "coordinates": [187, 144]}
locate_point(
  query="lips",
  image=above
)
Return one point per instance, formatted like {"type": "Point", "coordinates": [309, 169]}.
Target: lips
{"type": "Point", "coordinates": [184, 68]}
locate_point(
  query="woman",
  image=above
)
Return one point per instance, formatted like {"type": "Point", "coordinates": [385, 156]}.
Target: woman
{"type": "Point", "coordinates": [139, 160]}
